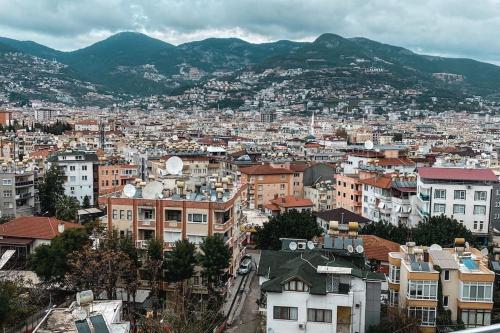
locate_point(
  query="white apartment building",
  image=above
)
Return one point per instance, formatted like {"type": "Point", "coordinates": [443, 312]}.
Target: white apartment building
{"type": "Point", "coordinates": [322, 195]}
{"type": "Point", "coordinates": [306, 292]}
{"type": "Point", "coordinates": [387, 198]}
{"type": "Point", "coordinates": [78, 169]}
{"type": "Point", "coordinates": [462, 194]}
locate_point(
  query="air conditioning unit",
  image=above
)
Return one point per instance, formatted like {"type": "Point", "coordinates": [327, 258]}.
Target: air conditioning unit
{"type": "Point", "coordinates": [302, 326]}
{"type": "Point", "coordinates": [302, 245]}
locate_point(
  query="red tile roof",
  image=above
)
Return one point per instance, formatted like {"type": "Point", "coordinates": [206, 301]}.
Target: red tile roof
{"type": "Point", "coordinates": [291, 202]}
{"type": "Point", "coordinates": [264, 169]}
{"type": "Point", "coordinates": [378, 248]}
{"type": "Point", "coordinates": [34, 227]}
{"type": "Point", "coordinates": [379, 181]}
{"type": "Point", "coordinates": [395, 161]}
{"type": "Point", "coordinates": [457, 174]}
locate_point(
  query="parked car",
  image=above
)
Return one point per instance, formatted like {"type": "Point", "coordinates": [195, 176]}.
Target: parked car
{"type": "Point", "coordinates": [245, 266]}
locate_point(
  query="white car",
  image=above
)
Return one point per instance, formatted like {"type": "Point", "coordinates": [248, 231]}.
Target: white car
{"type": "Point", "coordinates": [245, 266]}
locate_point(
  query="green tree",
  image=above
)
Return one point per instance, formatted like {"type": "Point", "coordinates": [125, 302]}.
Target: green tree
{"type": "Point", "coordinates": [50, 262]}
{"type": "Point", "coordinates": [386, 230]}
{"type": "Point", "coordinates": [66, 208]}
{"type": "Point", "coordinates": [440, 230]}
{"type": "Point", "coordinates": [214, 258]}
{"type": "Point", "coordinates": [50, 190]}
{"type": "Point", "coordinates": [16, 301]}
{"type": "Point", "coordinates": [86, 202]}
{"type": "Point", "coordinates": [154, 268]}
{"type": "Point", "coordinates": [292, 224]}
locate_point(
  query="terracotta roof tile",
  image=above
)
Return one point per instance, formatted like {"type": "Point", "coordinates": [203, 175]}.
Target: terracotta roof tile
{"type": "Point", "coordinates": [378, 248]}
{"type": "Point", "coordinates": [457, 174]}
{"type": "Point", "coordinates": [264, 169]}
{"type": "Point", "coordinates": [35, 227]}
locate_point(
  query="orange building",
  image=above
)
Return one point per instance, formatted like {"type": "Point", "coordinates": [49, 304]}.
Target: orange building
{"type": "Point", "coordinates": [349, 192]}
{"type": "Point", "coordinates": [112, 177]}
{"type": "Point", "coordinates": [265, 182]}
{"type": "Point", "coordinates": [5, 117]}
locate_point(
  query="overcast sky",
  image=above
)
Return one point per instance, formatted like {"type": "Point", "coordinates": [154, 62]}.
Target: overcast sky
{"type": "Point", "coordinates": [464, 28]}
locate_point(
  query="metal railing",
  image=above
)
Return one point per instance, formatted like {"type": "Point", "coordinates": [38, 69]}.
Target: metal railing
{"type": "Point", "coordinates": [483, 329]}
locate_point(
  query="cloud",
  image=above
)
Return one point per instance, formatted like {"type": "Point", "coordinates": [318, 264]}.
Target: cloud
{"type": "Point", "coordinates": [449, 27]}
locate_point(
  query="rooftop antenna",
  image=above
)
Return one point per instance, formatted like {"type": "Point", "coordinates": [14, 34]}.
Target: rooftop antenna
{"type": "Point", "coordinates": [129, 190]}
{"type": "Point", "coordinates": [152, 190]}
{"type": "Point", "coordinates": [174, 165]}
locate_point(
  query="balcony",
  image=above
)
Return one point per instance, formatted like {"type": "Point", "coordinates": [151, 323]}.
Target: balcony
{"type": "Point", "coordinates": [146, 223]}
{"type": "Point", "coordinates": [423, 211]}
{"type": "Point", "coordinates": [172, 224]}
{"type": "Point", "coordinates": [24, 183]}
{"type": "Point", "coordinates": [424, 197]}
{"type": "Point", "coordinates": [142, 244]}
{"type": "Point", "coordinates": [223, 226]}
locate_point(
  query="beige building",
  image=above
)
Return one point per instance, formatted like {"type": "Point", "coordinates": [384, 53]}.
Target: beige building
{"type": "Point", "coordinates": [416, 273]}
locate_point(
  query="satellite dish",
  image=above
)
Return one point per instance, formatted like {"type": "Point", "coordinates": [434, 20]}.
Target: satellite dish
{"type": "Point", "coordinates": [368, 144]}
{"type": "Point", "coordinates": [360, 249]}
{"type": "Point", "coordinates": [310, 245]}
{"type": "Point", "coordinates": [484, 252]}
{"type": "Point", "coordinates": [152, 190]}
{"type": "Point", "coordinates": [174, 165]}
{"type": "Point", "coordinates": [292, 246]}
{"type": "Point", "coordinates": [72, 144]}
{"type": "Point", "coordinates": [467, 245]}
{"type": "Point", "coordinates": [175, 137]}
{"type": "Point", "coordinates": [350, 249]}
{"type": "Point", "coordinates": [435, 247]}
{"type": "Point", "coordinates": [129, 190]}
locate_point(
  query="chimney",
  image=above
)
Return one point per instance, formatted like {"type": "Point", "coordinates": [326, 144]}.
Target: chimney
{"type": "Point", "coordinates": [60, 227]}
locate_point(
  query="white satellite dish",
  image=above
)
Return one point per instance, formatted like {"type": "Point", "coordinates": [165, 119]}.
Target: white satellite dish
{"type": "Point", "coordinates": [368, 144]}
{"type": "Point", "coordinates": [435, 247]}
{"type": "Point", "coordinates": [484, 252]}
{"type": "Point", "coordinates": [129, 190]}
{"type": "Point", "coordinates": [467, 245]}
{"type": "Point", "coordinates": [360, 249]}
{"type": "Point", "coordinates": [292, 246]}
{"type": "Point", "coordinates": [350, 249]}
{"type": "Point", "coordinates": [175, 137]}
{"type": "Point", "coordinates": [152, 190]}
{"type": "Point", "coordinates": [310, 245]}
{"type": "Point", "coordinates": [174, 165]}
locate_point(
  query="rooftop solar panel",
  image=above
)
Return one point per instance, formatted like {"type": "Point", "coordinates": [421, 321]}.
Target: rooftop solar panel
{"type": "Point", "coordinates": [99, 324]}
{"type": "Point", "coordinates": [82, 326]}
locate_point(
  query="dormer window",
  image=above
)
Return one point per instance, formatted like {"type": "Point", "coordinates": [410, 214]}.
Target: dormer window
{"type": "Point", "coordinates": [295, 285]}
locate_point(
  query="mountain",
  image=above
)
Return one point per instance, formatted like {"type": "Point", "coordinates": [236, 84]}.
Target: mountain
{"type": "Point", "coordinates": [135, 64]}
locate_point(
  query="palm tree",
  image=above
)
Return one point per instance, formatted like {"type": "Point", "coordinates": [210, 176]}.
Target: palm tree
{"type": "Point", "coordinates": [66, 208]}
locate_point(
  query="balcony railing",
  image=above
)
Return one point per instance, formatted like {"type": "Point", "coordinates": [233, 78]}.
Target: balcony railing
{"type": "Point", "coordinates": [424, 197]}
{"type": "Point", "coordinates": [142, 244]}
{"type": "Point", "coordinates": [147, 223]}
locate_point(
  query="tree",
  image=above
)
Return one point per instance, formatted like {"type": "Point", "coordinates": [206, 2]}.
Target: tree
{"type": "Point", "coordinates": [86, 202]}
{"type": "Point", "coordinates": [395, 320]}
{"type": "Point", "coordinates": [386, 230]}
{"type": "Point", "coordinates": [154, 267]}
{"type": "Point", "coordinates": [292, 224]}
{"type": "Point", "coordinates": [440, 230]}
{"type": "Point", "coordinates": [214, 258]}
{"type": "Point", "coordinates": [397, 137]}
{"type": "Point", "coordinates": [179, 267]}
{"type": "Point", "coordinates": [50, 262]}
{"type": "Point", "coordinates": [17, 300]}
{"type": "Point", "coordinates": [67, 208]}
{"type": "Point", "coordinates": [50, 190]}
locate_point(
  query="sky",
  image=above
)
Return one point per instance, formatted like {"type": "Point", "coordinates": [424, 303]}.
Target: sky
{"type": "Point", "coordinates": [458, 28]}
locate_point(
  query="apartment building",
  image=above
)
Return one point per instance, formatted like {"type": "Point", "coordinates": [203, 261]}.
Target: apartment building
{"type": "Point", "coordinates": [114, 176]}
{"type": "Point", "coordinates": [305, 291]}
{"type": "Point", "coordinates": [264, 181]}
{"type": "Point", "coordinates": [80, 172]}
{"type": "Point", "coordinates": [349, 192]}
{"type": "Point", "coordinates": [280, 205]}
{"type": "Point", "coordinates": [462, 194]}
{"type": "Point", "coordinates": [387, 198]}
{"type": "Point", "coordinates": [187, 212]}
{"type": "Point", "coordinates": [322, 194]}
{"type": "Point", "coordinates": [17, 191]}
{"type": "Point", "coordinates": [466, 282]}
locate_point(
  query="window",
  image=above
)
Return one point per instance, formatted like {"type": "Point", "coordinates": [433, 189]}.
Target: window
{"type": "Point", "coordinates": [8, 205]}
{"type": "Point", "coordinates": [285, 313]}
{"type": "Point", "coordinates": [295, 285]}
{"type": "Point", "coordinates": [7, 193]}
{"type": "Point", "coordinates": [72, 179]}
{"type": "Point", "coordinates": [72, 168]}
{"type": "Point", "coordinates": [394, 272]}
{"type": "Point", "coordinates": [480, 196]}
{"type": "Point", "coordinates": [172, 236]}
{"type": "Point", "coordinates": [366, 187]}
{"type": "Point", "coordinates": [173, 215]}
{"type": "Point", "coordinates": [282, 186]}
{"type": "Point", "coordinates": [197, 218]}
{"type": "Point", "coordinates": [459, 195]}
{"type": "Point", "coordinates": [458, 209]}
{"type": "Point", "coordinates": [122, 214]}
{"type": "Point", "coordinates": [195, 239]}
{"type": "Point", "coordinates": [84, 167]}
{"type": "Point", "coordinates": [7, 181]}
{"type": "Point", "coordinates": [439, 208]}
{"type": "Point", "coordinates": [115, 214]}
{"type": "Point", "coordinates": [445, 301]}
{"type": "Point", "coordinates": [477, 291]}
{"type": "Point", "coordinates": [439, 194]}
{"type": "Point", "coordinates": [84, 177]}
{"type": "Point", "coordinates": [393, 297]}
{"type": "Point", "coordinates": [422, 289]}
{"type": "Point", "coordinates": [479, 210]}
{"type": "Point", "coordinates": [129, 215]}
{"type": "Point", "coordinates": [473, 318]}
{"type": "Point", "coordinates": [427, 316]}
{"type": "Point", "coordinates": [447, 275]}
{"type": "Point", "coordinates": [260, 187]}
{"type": "Point", "coordinates": [319, 315]}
